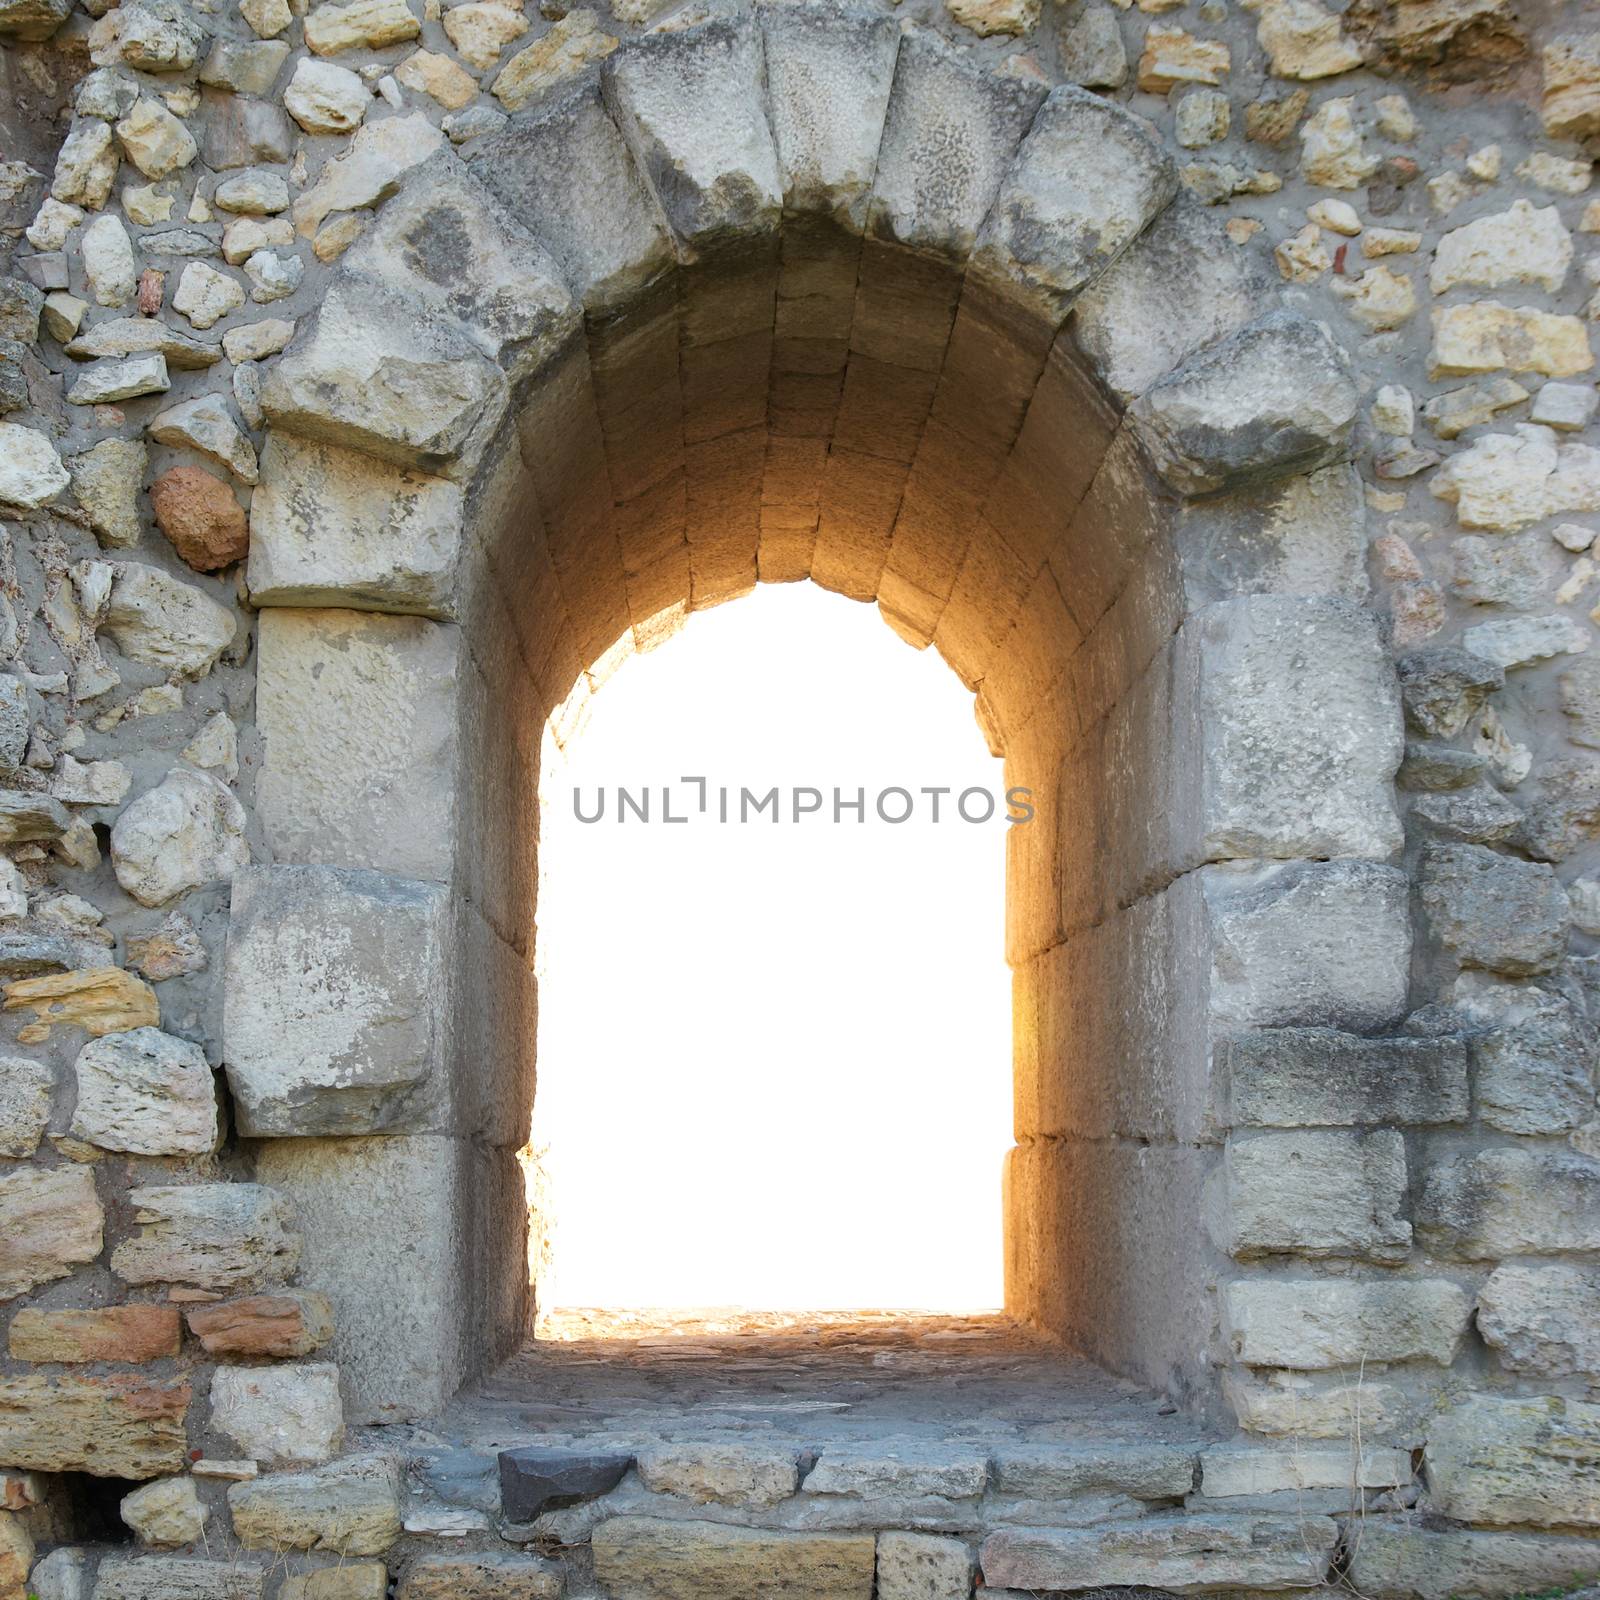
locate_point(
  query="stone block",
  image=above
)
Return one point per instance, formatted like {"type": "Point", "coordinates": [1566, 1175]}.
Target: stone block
{"type": "Point", "coordinates": [183, 834]}
{"type": "Point", "coordinates": [1494, 911]}
{"type": "Point", "coordinates": [1529, 1460]}
{"type": "Point", "coordinates": [1320, 944]}
{"type": "Point", "coordinates": [1179, 1552]}
{"type": "Point", "coordinates": [1274, 398]}
{"type": "Point", "coordinates": [331, 527]}
{"type": "Point", "coordinates": [1229, 1470]}
{"type": "Point", "coordinates": [1297, 730]}
{"type": "Point", "coordinates": [1533, 1058]}
{"type": "Point", "coordinates": [178, 1578]}
{"type": "Point", "coordinates": [533, 1477]}
{"type": "Point", "coordinates": [1541, 1322]}
{"type": "Point", "coordinates": [225, 1236]}
{"type": "Point", "coordinates": [349, 1580]}
{"type": "Point", "coordinates": [1088, 178]}
{"type": "Point", "coordinates": [1309, 1077]}
{"type": "Point", "coordinates": [829, 74]}
{"type": "Point", "coordinates": [646, 1558]}
{"type": "Point", "coordinates": [1311, 1194]}
{"type": "Point", "coordinates": [357, 715]}
{"type": "Point", "coordinates": [729, 1472]}
{"type": "Point", "coordinates": [279, 1326]}
{"type": "Point", "coordinates": [127, 1334]}
{"type": "Point", "coordinates": [944, 102]}
{"type": "Point", "coordinates": [386, 1240]}
{"type": "Point", "coordinates": [335, 1003]}
{"type": "Point", "coordinates": [1178, 287]}
{"type": "Point", "coordinates": [922, 1566]}
{"type": "Point", "coordinates": [1150, 1471]}
{"type": "Point", "coordinates": [112, 1427]}
{"type": "Point", "coordinates": [481, 1575]}
{"type": "Point", "coordinates": [689, 105]}
{"type": "Point", "coordinates": [279, 1415]}
{"type": "Point", "coordinates": [1300, 1405]}
{"type": "Point", "coordinates": [1509, 1201]}
{"type": "Point", "coordinates": [950, 1472]}
{"type": "Point", "coordinates": [1312, 1323]}
{"type": "Point", "coordinates": [351, 1506]}
{"type": "Point", "coordinates": [1441, 687]}
{"type": "Point", "coordinates": [148, 1093]}
{"type": "Point", "coordinates": [166, 1513]}
{"type": "Point", "coordinates": [51, 1222]}
{"type": "Point", "coordinates": [1400, 1559]}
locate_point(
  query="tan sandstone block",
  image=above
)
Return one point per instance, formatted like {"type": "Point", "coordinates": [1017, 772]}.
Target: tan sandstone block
{"type": "Point", "coordinates": [109, 1333]}
{"type": "Point", "coordinates": [101, 1000]}
{"type": "Point", "coordinates": [113, 1427]}
{"type": "Point", "coordinates": [269, 1325]}
{"type": "Point", "coordinates": [1487, 336]}
{"type": "Point", "coordinates": [646, 1558]}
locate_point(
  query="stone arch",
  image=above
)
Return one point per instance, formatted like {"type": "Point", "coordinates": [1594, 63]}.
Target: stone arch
{"type": "Point", "coordinates": [803, 294]}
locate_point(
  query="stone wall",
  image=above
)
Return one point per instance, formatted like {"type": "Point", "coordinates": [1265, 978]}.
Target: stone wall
{"type": "Point", "coordinates": [1214, 391]}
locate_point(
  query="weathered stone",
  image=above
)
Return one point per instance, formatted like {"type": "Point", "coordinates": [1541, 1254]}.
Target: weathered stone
{"type": "Point", "coordinates": [166, 1513]}
{"type": "Point", "coordinates": [155, 141]}
{"type": "Point", "coordinates": [170, 951]}
{"type": "Point", "coordinates": [1092, 52]}
{"type": "Point", "coordinates": [922, 1566]}
{"type": "Point", "coordinates": [1274, 398]}
{"type": "Point", "coordinates": [108, 264]}
{"type": "Point", "coordinates": [1453, 412]}
{"type": "Point", "coordinates": [349, 1580]}
{"type": "Point", "coordinates": [178, 1578]}
{"type": "Point", "coordinates": [1492, 910]}
{"type": "Point", "coordinates": [1306, 1077]}
{"type": "Point", "coordinates": [324, 98]}
{"type": "Point", "coordinates": [1510, 1201]}
{"type": "Point", "coordinates": [17, 1548]}
{"type": "Point", "coordinates": [1311, 1194]}
{"type": "Point", "coordinates": [255, 341]}
{"type": "Point", "coordinates": [342, 25]}
{"type": "Point", "coordinates": [439, 77]}
{"type": "Point", "coordinates": [247, 67]}
{"type": "Point", "coordinates": [1542, 1321]}
{"type": "Point", "coordinates": [1532, 1064]}
{"type": "Point", "coordinates": [534, 1477]}
{"type": "Point", "coordinates": [280, 1415]}
{"type": "Point", "coordinates": [111, 1427]}
{"type": "Point", "coordinates": [224, 1236]}
{"type": "Point", "coordinates": [100, 1000]}
{"type": "Point", "coordinates": [1183, 1553]}
{"type": "Point", "coordinates": [1502, 1460]}
{"type": "Point", "coordinates": [1302, 40]}
{"type": "Point", "coordinates": [281, 1326]}
{"type": "Point", "coordinates": [576, 42]}
{"type": "Point", "coordinates": [51, 1222]}
{"type": "Point", "coordinates": [1172, 57]}
{"type": "Point", "coordinates": [484, 1575]}
{"type": "Point", "coordinates": [1520, 572]}
{"type": "Point", "coordinates": [125, 336]}
{"type": "Point", "coordinates": [205, 296]}
{"type": "Point", "coordinates": [645, 1558]}
{"type": "Point", "coordinates": [351, 1506]}
{"type": "Point", "coordinates": [481, 29]}
{"type": "Point", "coordinates": [1333, 154]}
{"type": "Point", "coordinates": [30, 470]}
{"type": "Point", "coordinates": [1299, 1405]}
{"type": "Point", "coordinates": [1399, 1559]}
{"type": "Point", "coordinates": [32, 20]}
{"type": "Point", "coordinates": [1571, 105]}
{"type": "Point", "coordinates": [1486, 336]}
{"type": "Point", "coordinates": [106, 481]}
{"type": "Point", "coordinates": [86, 166]}
{"type": "Point", "coordinates": [194, 508]}
{"type": "Point", "coordinates": [186, 832]}
{"type": "Point", "coordinates": [1229, 1471]}
{"type": "Point", "coordinates": [954, 1473]}
{"type": "Point", "coordinates": [109, 1333]}
{"type": "Point", "coordinates": [1203, 118]}
{"type": "Point", "coordinates": [1480, 815]}
{"type": "Point", "coordinates": [1380, 299]}
{"type": "Point", "coordinates": [1147, 1470]}
{"type": "Point", "coordinates": [165, 623]}
{"type": "Point", "coordinates": [26, 815]}
{"type": "Point", "coordinates": [729, 1472]}
{"type": "Point", "coordinates": [236, 131]}
{"type": "Point", "coordinates": [1441, 688]}
{"type": "Point", "coordinates": [148, 1093]}
{"type": "Point", "coordinates": [204, 424]}
{"type": "Point", "coordinates": [1521, 245]}
{"type": "Point", "coordinates": [160, 35]}
{"type": "Point", "coordinates": [1331, 1322]}
{"type": "Point", "coordinates": [109, 381]}
{"type": "Point", "coordinates": [25, 1089]}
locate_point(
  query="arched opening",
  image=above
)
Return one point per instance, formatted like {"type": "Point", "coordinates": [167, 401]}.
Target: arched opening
{"type": "Point", "coordinates": [774, 1013]}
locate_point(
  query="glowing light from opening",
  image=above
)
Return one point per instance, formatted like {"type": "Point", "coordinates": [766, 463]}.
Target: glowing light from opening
{"type": "Point", "coordinates": [774, 1059]}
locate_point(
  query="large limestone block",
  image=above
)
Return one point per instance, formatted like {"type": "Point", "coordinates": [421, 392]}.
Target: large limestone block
{"type": "Point", "coordinates": [922, 1566]}
{"type": "Point", "coordinates": [110, 1427]}
{"type": "Point", "coordinates": [1311, 1323]}
{"type": "Point", "coordinates": [1311, 1194]}
{"type": "Point", "coordinates": [331, 527]}
{"type": "Point", "coordinates": [1399, 1559]}
{"type": "Point", "coordinates": [386, 1240]}
{"type": "Point", "coordinates": [566, 170]}
{"type": "Point", "coordinates": [148, 1093]}
{"type": "Point", "coordinates": [1503, 1459]}
{"type": "Point", "coordinates": [357, 715]}
{"type": "Point", "coordinates": [953, 1472]}
{"type": "Point", "coordinates": [1322, 944]}
{"type": "Point", "coordinates": [379, 156]}
{"type": "Point", "coordinates": [1319, 1077]}
{"type": "Point", "coordinates": [229, 1236]}
{"type": "Point", "coordinates": [178, 1578]}
{"type": "Point", "coordinates": [949, 137]}
{"type": "Point", "coordinates": [280, 1415]}
{"type": "Point", "coordinates": [1182, 1553]}
{"type": "Point", "coordinates": [727, 1471]}
{"type": "Point", "coordinates": [1298, 727]}
{"type": "Point", "coordinates": [1088, 179]}
{"type": "Point", "coordinates": [830, 69]}
{"type": "Point", "coordinates": [1542, 1321]}
{"type": "Point", "coordinates": [1275, 397]}
{"type": "Point", "coordinates": [1179, 286]}
{"type": "Point", "coordinates": [351, 1506]}
{"type": "Point", "coordinates": [335, 1002]}
{"type": "Point", "coordinates": [646, 1558]}
{"type": "Point", "coordinates": [1147, 1470]}
{"type": "Point", "coordinates": [1510, 1201]}
{"type": "Point", "coordinates": [51, 1222]}
{"type": "Point", "coordinates": [689, 104]}
{"type": "Point", "coordinates": [482, 1575]}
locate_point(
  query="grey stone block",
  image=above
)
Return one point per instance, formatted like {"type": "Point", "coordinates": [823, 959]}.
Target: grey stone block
{"type": "Point", "coordinates": [1306, 1077]}
{"type": "Point", "coordinates": [534, 1478]}
{"type": "Point", "coordinates": [1494, 911]}
{"type": "Point", "coordinates": [1542, 1321]}
{"type": "Point", "coordinates": [1312, 1323]}
{"type": "Point", "coordinates": [1441, 687]}
{"type": "Point", "coordinates": [1509, 1200]}
{"type": "Point", "coordinates": [830, 69]}
{"type": "Point", "coordinates": [948, 140]}
{"type": "Point", "coordinates": [1274, 398]}
{"type": "Point", "coordinates": [336, 1000]}
{"type": "Point", "coordinates": [689, 104]}
{"type": "Point", "coordinates": [1402, 1559]}
{"type": "Point", "coordinates": [146, 1577]}
{"type": "Point", "coordinates": [1509, 1460]}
